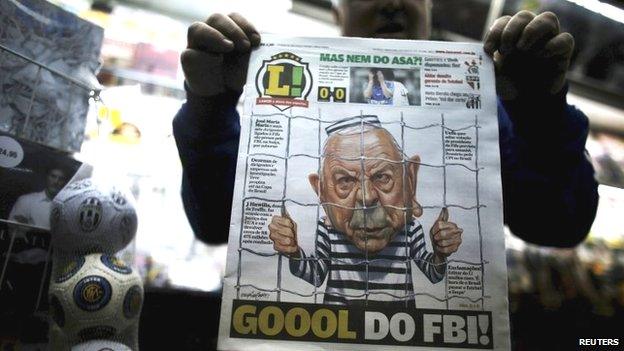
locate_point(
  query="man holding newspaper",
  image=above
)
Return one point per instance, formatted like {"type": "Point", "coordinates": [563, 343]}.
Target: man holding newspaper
{"type": "Point", "coordinates": [550, 196]}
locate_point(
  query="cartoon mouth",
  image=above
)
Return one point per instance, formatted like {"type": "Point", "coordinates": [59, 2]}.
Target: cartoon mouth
{"type": "Point", "coordinates": [373, 233]}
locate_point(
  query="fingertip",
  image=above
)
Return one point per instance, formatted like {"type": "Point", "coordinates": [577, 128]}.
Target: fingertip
{"type": "Point", "coordinates": [443, 216]}
{"type": "Point", "coordinates": [548, 52]}
{"type": "Point", "coordinates": [488, 47]}
{"type": "Point", "coordinates": [244, 45]}
{"type": "Point", "coordinates": [186, 57]}
{"type": "Point", "coordinates": [255, 39]}
{"type": "Point", "coordinates": [522, 44]}
{"type": "Point", "coordinates": [504, 49]}
{"type": "Point", "coordinates": [228, 43]}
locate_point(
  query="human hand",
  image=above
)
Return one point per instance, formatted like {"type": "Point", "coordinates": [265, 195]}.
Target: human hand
{"type": "Point", "coordinates": [371, 77]}
{"type": "Point", "coordinates": [380, 77]}
{"type": "Point", "coordinates": [283, 233]}
{"type": "Point", "coordinates": [530, 53]}
{"type": "Point", "coordinates": [445, 236]}
{"type": "Point", "coordinates": [217, 54]}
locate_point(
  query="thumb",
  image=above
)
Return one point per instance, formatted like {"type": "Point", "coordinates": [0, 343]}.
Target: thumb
{"type": "Point", "coordinates": [285, 213]}
{"type": "Point", "coordinates": [444, 215]}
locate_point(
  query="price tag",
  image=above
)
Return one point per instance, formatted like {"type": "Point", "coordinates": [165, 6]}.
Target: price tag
{"type": "Point", "coordinates": [11, 152]}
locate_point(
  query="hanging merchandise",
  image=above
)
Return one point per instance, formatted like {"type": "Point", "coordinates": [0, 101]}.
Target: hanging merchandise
{"type": "Point", "coordinates": [48, 59]}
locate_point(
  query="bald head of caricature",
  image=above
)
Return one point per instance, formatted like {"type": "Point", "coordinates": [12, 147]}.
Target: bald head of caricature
{"type": "Point", "coordinates": [365, 197]}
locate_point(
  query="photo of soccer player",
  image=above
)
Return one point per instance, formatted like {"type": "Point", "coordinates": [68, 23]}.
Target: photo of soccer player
{"type": "Point", "coordinates": [385, 86]}
{"type": "Point", "coordinates": [29, 187]}
{"type": "Point", "coordinates": [28, 184]}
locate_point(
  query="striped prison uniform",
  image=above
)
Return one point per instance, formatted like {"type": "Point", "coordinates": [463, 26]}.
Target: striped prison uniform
{"type": "Point", "coordinates": [389, 275]}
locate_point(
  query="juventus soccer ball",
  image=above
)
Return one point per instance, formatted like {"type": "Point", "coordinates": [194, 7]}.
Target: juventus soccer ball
{"type": "Point", "coordinates": [95, 297]}
{"type": "Point", "coordinates": [100, 345]}
{"type": "Point", "coordinates": [86, 218]}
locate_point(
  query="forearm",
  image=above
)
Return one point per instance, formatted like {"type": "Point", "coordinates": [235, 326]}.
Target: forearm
{"type": "Point", "coordinates": [548, 183]}
{"type": "Point", "coordinates": [429, 263]}
{"type": "Point", "coordinates": [552, 209]}
{"type": "Point", "coordinates": [207, 132]}
{"type": "Point", "coordinates": [439, 264]}
{"type": "Point", "coordinates": [368, 91]}
{"type": "Point", "coordinates": [312, 271]}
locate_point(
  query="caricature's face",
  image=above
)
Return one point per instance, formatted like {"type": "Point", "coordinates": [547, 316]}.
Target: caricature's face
{"type": "Point", "coordinates": [55, 182]}
{"type": "Point", "coordinates": [396, 19]}
{"type": "Point", "coordinates": [365, 198]}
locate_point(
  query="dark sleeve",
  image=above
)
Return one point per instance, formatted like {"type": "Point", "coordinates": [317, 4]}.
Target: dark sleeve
{"type": "Point", "coordinates": [207, 131]}
{"type": "Point", "coordinates": [549, 191]}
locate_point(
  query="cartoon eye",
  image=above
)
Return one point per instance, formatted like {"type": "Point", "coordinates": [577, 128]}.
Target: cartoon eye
{"type": "Point", "coordinates": [345, 182]}
{"type": "Point", "coordinates": [381, 178]}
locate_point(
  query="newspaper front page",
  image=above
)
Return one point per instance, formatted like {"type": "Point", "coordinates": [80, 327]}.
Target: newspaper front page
{"type": "Point", "coordinates": [367, 209]}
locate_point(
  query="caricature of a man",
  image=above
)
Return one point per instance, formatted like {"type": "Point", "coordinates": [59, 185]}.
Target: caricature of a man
{"type": "Point", "coordinates": [369, 196]}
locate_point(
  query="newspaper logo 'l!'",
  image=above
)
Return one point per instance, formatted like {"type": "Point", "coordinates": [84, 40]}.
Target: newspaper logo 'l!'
{"type": "Point", "coordinates": [283, 81]}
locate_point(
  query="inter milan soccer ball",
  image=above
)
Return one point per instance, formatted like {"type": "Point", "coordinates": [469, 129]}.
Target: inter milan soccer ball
{"type": "Point", "coordinates": [100, 345]}
{"type": "Point", "coordinates": [86, 218]}
{"type": "Point", "coordinates": [95, 297]}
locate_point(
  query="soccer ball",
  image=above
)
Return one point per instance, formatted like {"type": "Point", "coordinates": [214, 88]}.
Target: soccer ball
{"type": "Point", "coordinates": [86, 218]}
{"type": "Point", "coordinates": [95, 297]}
{"type": "Point", "coordinates": [100, 345]}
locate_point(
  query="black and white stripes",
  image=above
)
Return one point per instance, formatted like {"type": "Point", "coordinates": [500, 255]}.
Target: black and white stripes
{"type": "Point", "coordinates": [344, 265]}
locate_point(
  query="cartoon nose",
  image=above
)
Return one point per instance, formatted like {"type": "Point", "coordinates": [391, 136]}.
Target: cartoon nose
{"type": "Point", "coordinates": [367, 195]}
